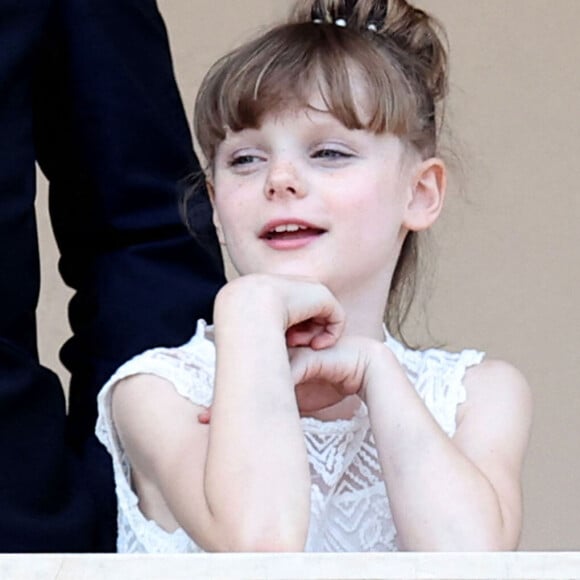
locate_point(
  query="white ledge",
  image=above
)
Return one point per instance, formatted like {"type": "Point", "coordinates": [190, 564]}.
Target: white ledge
{"type": "Point", "coordinates": [367, 566]}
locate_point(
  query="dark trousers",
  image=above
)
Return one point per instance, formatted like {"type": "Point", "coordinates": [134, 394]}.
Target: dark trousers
{"type": "Point", "coordinates": [87, 90]}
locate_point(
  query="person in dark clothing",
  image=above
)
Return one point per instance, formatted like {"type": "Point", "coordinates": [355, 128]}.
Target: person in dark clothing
{"type": "Point", "coordinates": [87, 90]}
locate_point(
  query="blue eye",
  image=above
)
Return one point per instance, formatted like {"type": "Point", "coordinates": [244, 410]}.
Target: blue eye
{"type": "Point", "coordinates": [242, 160]}
{"type": "Point", "coordinates": [330, 154]}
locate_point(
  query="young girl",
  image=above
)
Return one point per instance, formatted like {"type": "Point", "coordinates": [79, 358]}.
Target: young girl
{"type": "Point", "coordinates": [326, 433]}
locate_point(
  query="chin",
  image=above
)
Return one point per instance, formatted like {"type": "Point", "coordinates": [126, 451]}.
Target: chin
{"type": "Point", "coordinates": [298, 268]}
{"type": "Point", "coordinates": [285, 268]}
{"type": "Point", "coordinates": [297, 271]}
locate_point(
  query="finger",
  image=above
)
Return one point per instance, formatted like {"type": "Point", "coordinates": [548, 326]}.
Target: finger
{"type": "Point", "coordinates": [330, 331]}
{"type": "Point", "coordinates": [303, 333]}
{"type": "Point", "coordinates": [340, 367]}
{"type": "Point", "coordinates": [302, 361]}
{"type": "Point", "coordinates": [204, 417]}
{"type": "Point", "coordinates": [318, 305]}
{"type": "Point", "coordinates": [325, 339]}
{"type": "Point", "coordinates": [317, 333]}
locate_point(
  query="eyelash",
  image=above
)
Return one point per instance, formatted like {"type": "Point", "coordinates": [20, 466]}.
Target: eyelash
{"type": "Point", "coordinates": [328, 153]}
{"type": "Point", "coordinates": [324, 153]}
{"type": "Point", "coordinates": [242, 160]}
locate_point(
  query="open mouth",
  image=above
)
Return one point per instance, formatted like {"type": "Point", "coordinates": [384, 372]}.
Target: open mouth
{"type": "Point", "coordinates": [291, 232]}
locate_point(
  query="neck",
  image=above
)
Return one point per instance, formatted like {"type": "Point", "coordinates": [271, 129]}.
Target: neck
{"type": "Point", "coordinates": [365, 308]}
{"type": "Point", "coordinates": [365, 322]}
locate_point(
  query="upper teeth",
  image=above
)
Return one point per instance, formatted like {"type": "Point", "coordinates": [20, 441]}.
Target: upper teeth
{"type": "Point", "coordinates": [288, 228]}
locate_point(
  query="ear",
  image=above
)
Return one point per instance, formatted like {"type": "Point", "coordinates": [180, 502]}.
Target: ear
{"type": "Point", "coordinates": [427, 194]}
{"type": "Point", "coordinates": [215, 218]}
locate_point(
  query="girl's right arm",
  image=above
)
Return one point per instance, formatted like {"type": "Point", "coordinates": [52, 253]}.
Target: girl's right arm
{"type": "Point", "coordinates": [241, 483]}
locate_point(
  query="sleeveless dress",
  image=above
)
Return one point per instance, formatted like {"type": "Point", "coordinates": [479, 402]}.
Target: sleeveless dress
{"type": "Point", "coordinates": [349, 506]}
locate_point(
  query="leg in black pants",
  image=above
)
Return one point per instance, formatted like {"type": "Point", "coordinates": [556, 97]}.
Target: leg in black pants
{"type": "Point", "coordinates": [112, 138]}
{"type": "Point", "coordinates": [41, 508]}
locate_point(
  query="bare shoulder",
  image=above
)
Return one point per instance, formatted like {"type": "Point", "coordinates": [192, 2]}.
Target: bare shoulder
{"type": "Point", "coordinates": [142, 387]}
{"type": "Point", "coordinates": [164, 442]}
{"type": "Point", "coordinates": [497, 393]}
{"type": "Point", "coordinates": [495, 379]}
{"type": "Point", "coordinates": [148, 396]}
{"type": "Point", "coordinates": [148, 411]}
{"type": "Point", "coordinates": [138, 394]}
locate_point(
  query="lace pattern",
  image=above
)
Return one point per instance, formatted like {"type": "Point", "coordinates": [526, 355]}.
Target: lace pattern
{"type": "Point", "coordinates": [349, 505]}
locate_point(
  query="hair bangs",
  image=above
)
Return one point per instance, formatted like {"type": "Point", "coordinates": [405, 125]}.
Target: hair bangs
{"type": "Point", "coordinates": [360, 89]}
{"type": "Point", "coordinates": [285, 68]}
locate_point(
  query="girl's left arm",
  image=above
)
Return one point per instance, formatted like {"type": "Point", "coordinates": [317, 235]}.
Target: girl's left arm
{"type": "Point", "coordinates": [460, 493]}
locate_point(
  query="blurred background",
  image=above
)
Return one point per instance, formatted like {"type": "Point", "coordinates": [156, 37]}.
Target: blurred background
{"type": "Point", "coordinates": [505, 256]}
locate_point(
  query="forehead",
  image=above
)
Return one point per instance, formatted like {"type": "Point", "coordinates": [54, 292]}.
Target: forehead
{"type": "Point", "coordinates": [294, 70]}
{"type": "Point", "coordinates": [353, 107]}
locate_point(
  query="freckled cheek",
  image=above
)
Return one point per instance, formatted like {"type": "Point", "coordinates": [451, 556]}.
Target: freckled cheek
{"type": "Point", "coordinates": [237, 215]}
{"type": "Point", "coordinates": [374, 214]}
{"type": "Point", "coordinates": [359, 197]}
{"type": "Point", "coordinates": [233, 193]}
{"type": "Point", "coordinates": [247, 189]}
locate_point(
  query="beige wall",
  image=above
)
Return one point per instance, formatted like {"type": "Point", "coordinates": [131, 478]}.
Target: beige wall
{"type": "Point", "coordinates": [507, 279]}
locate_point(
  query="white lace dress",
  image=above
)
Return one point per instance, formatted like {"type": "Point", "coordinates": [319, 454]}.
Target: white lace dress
{"type": "Point", "coordinates": [349, 506]}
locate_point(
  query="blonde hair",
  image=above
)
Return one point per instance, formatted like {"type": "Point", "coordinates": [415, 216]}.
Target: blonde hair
{"type": "Point", "coordinates": [399, 53]}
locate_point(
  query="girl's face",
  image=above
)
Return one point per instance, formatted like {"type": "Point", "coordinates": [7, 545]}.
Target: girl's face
{"type": "Point", "coordinates": [303, 195]}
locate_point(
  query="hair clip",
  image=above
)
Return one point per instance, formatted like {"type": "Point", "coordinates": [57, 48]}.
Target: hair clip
{"type": "Point", "coordinates": [340, 22]}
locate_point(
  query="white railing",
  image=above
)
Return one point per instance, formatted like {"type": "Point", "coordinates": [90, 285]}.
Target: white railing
{"type": "Point", "coordinates": [368, 566]}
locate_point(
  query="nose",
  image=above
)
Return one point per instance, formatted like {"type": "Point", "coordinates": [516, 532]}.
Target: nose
{"type": "Point", "coordinates": [284, 180]}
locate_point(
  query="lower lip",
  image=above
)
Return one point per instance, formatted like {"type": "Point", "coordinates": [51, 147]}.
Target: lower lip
{"type": "Point", "coordinates": [292, 244]}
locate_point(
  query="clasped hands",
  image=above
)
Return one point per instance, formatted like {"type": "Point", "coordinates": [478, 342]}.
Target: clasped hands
{"type": "Point", "coordinates": [326, 365]}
